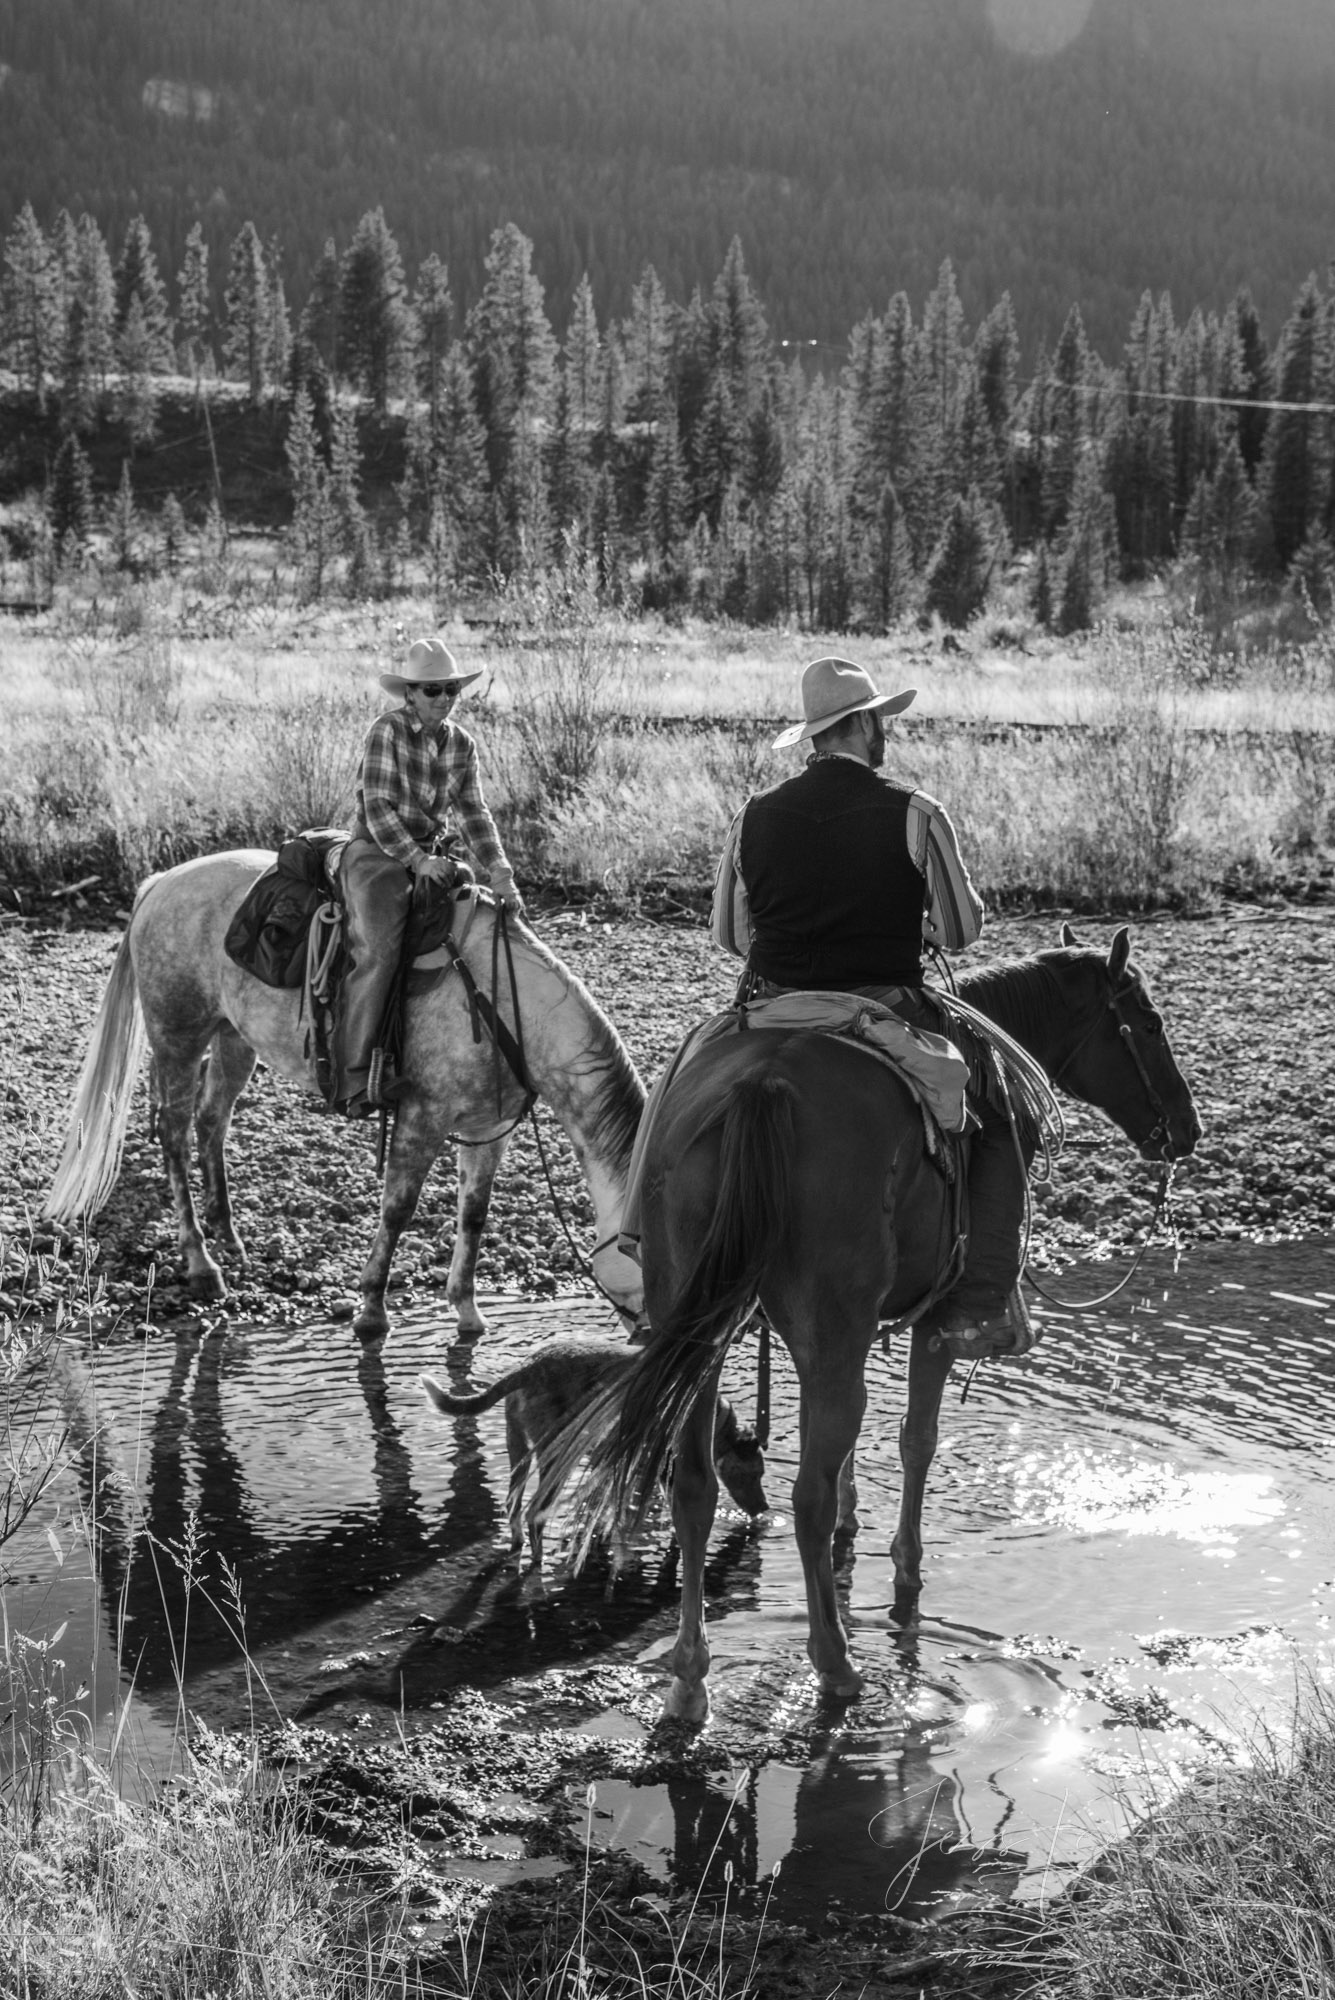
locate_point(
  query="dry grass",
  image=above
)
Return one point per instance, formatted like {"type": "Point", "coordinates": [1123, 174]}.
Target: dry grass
{"type": "Point", "coordinates": [1227, 1894]}
{"type": "Point", "coordinates": [150, 722]}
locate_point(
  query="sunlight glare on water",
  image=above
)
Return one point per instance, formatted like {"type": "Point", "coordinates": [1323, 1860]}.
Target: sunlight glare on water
{"type": "Point", "coordinates": [1099, 1492]}
{"type": "Point", "coordinates": [1037, 27]}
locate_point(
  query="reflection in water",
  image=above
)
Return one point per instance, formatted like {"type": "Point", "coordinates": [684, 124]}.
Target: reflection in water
{"type": "Point", "coordinates": [1077, 1497]}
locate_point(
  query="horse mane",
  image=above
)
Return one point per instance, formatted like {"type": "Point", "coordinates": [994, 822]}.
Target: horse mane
{"type": "Point", "coordinates": [617, 1089]}
{"type": "Point", "coordinates": [1022, 996]}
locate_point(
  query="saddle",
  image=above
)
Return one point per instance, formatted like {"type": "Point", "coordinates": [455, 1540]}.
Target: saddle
{"type": "Point", "coordinates": [289, 930]}
{"type": "Point", "coordinates": [931, 1067]}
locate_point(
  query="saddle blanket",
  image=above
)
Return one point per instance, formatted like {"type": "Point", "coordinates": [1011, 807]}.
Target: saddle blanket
{"type": "Point", "coordinates": [932, 1068]}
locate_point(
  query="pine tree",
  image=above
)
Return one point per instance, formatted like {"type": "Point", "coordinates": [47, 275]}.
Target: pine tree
{"type": "Point", "coordinates": [123, 522]}
{"type": "Point", "coordinates": [97, 294]}
{"type": "Point", "coordinates": [459, 465]}
{"type": "Point", "coordinates": [1294, 477]}
{"type": "Point", "coordinates": [433, 309]}
{"type": "Point", "coordinates": [960, 570]}
{"type": "Point", "coordinates": [137, 280]}
{"type": "Point", "coordinates": [311, 532]}
{"type": "Point", "coordinates": [582, 362]}
{"type": "Point", "coordinates": [69, 503]}
{"type": "Point", "coordinates": [247, 305]}
{"type": "Point", "coordinates": [138, 349]}
{"type": "Point", "coordinates": [1069, 421]}
{"type": "Point", "coordinates": [646, 345]}
{"type": "Point", "coordinates": [318, 326]}
{"type": "Point", "coordinates": [30, 304]}
{"type": "Point", "coordinates": [278, 322]}
{"type": "Point", "coordinates": [890, 579]}
{"type": "Point", "coordinates": [665, 495]}
{"type": "Point", "coordinates": [513, 354]}
{"type": "Point", "coordinates": [1258, 380]}
{"type": "Point", "coordinates": [171, 526]}
{"type": "Point", "coordinates": [375, 328]}
{"type": "Point", "coordinates": [193, 314]}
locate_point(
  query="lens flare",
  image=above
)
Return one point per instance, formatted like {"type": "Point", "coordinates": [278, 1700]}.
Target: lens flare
{"type": "Point", "coordinates": [1037, 27]}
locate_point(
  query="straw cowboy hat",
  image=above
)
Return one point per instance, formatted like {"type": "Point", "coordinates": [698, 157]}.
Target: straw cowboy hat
{"type": "Point", "coordinates": [832, 689]}
{"type": "Point", "coordinates": [428, 660]}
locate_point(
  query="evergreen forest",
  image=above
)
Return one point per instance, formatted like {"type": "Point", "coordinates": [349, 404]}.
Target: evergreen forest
{"type": "Point", "coordinates": [678, 450]}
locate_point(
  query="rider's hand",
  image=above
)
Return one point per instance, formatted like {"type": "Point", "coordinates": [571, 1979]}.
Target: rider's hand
{"type": "Point", "coordinates": [435, 868]}
{"type": "Point", "coordinates": [510, 899]}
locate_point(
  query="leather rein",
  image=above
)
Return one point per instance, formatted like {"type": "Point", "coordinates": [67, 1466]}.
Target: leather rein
{"type": "Point", "coordinates": [1116, 996]}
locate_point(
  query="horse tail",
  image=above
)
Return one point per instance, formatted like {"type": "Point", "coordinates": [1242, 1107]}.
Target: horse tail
{"type": "Point", "coordinates": [99, 1115]}
{"type": "Point", "coordinates": [748, 1226]}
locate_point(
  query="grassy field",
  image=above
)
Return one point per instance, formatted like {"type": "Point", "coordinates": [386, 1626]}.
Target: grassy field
{"type": "Point", "coordinates": [146, 722]}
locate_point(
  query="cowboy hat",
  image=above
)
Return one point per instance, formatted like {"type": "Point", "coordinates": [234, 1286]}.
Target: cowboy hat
{"type": "Point", "coordinates": [428, 660]}
{"type": "Point", "coordinates": [832, 689]}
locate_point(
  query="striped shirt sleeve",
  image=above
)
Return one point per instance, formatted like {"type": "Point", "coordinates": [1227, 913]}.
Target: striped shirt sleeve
{"type": "Point", "coordinates": [954, 913]}
{"type": "Point", "coordinates": [730, 919]}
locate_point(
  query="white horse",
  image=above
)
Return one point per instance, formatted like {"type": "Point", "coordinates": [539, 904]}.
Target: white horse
{"type": "Point", "coordinates": [174, 987]}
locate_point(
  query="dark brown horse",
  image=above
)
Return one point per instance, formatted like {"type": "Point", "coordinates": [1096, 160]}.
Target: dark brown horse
{"type": "Point", "coordinates": [791, 1171]}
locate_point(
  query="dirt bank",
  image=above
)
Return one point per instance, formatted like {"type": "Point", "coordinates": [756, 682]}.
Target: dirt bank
{"type": "Point", "coordinates": [1245, 994]}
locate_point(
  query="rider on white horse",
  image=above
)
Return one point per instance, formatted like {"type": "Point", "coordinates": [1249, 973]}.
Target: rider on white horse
{"type": "Point", "coordinates": [417, 768]}
{"type": "Point", "coordinates": [834, 880]}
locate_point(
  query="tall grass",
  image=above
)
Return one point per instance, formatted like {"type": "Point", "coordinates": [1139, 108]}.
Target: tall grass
{"type": "Point", "coordinates": [1228, 1894]}
{"type": "Point", "coordinates": [158, 724]}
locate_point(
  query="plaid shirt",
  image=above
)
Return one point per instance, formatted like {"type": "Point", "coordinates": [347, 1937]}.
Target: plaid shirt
{"type": "Point", "coordinates": [411, 777]}
{"type": "Point", "coordinates": [953, 916]}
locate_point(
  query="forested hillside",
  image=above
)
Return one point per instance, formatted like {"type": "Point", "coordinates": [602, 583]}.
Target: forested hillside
{"type": "Point", "coordinates": [1186, 145]}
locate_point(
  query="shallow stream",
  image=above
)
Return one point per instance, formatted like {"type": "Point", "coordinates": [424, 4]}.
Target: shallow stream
{"type": "Point", "coordinates": [1130, 1563]}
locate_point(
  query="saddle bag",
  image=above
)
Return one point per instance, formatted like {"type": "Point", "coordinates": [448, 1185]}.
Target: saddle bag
{"type": "Point", "coordinates": [268, 935]}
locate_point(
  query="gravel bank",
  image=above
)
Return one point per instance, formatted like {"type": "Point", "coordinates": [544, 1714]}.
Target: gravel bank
{"type": "Point", "coordinates": [1246, 994]}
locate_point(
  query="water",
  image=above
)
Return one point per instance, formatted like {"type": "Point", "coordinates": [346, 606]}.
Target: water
{"type": "Point", "coordinates": [1129, 1563]}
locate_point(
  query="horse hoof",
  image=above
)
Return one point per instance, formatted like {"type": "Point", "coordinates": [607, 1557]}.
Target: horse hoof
{"type": "Point", "coordinates": [844, 1685]}
{"type": "Point", "coordinates": [468, 1323]}
{"type": "Point", "coordinates": [904, 1610]}
{"type": "Point", "coordinates": [371, 1323]}
{"type": "Point", "coordinates": [687, 1701]}
{"type": "Point", "coordinates": [207, 1285]}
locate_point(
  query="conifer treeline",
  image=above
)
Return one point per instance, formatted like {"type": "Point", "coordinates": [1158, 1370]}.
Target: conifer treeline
{"type": "Point", "coordinates": [692, 460]}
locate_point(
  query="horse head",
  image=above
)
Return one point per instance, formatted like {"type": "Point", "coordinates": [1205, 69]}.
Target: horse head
{"type": "Point", "coordinates": [1122, 1060]}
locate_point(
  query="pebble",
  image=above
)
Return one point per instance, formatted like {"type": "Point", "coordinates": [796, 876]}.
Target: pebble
{"type": "Point", "coordinates": [1265, 1097]}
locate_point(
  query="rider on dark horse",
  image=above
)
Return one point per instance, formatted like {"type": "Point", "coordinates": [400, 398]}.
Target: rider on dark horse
{"type": "Point", "coordinates": [417, 767]}
{"type": "Point", "coordinates": [835, 880]}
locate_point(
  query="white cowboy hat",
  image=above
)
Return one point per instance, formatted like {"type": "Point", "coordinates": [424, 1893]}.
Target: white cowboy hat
{"type": "Point", "coordinates": [832, 689]}
{"type": "Point", "coordinates": [428, 660]}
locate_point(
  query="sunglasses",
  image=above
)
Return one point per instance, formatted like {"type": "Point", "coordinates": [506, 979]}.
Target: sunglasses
{"type": "Point", "coordinates": [433, 690]}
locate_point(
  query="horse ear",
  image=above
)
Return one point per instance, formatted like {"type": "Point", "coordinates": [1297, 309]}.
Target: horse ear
{"type": "Point", "coordinates": [1068, 935]}
{"type": "Point", "coordinates": [1119, 952]}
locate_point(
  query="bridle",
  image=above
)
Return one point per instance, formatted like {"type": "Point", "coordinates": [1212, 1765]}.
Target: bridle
{"type": "Point", "coordinates": [1116, 995]}
{"type": "Point", "coordinates": [1113, 1004]}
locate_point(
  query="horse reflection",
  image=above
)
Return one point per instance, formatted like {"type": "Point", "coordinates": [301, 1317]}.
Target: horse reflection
{"type": "Point", "coordinates": [184, 1555]}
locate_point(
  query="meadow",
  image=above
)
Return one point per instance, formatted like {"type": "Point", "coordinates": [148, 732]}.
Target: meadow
{"type": "Point", "coordinates": [149, 720]}
{"type": "Point", "coordinates": [1148, 767]}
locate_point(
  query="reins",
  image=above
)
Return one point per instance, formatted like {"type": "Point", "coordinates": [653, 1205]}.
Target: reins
{"type": "Point", "coordinates": [1159, 1130]}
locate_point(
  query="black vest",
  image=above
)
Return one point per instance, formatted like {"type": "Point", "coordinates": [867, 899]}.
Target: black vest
{"type": "Point", "coordinates": [835, 899]}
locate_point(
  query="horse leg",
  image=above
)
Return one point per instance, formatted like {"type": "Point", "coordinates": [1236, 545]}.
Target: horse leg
{"type": "Point", "coordinates": [917, 1447]}
{"type": "Point", "coordinates": [694, 1498]}
{"type": "Point", "coordinates": [833, 1401]}
{"type": "Point", "coordinates": [846, 1520]}
{"type": "Point", "coordinates": [417, 1141]}
{"type": "Point", "coordinates": [177, 1082]}
{"type": "Point", "coordinates": [477, 1167]}
{"type": "Point", "coordinates": [226, 1074]}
